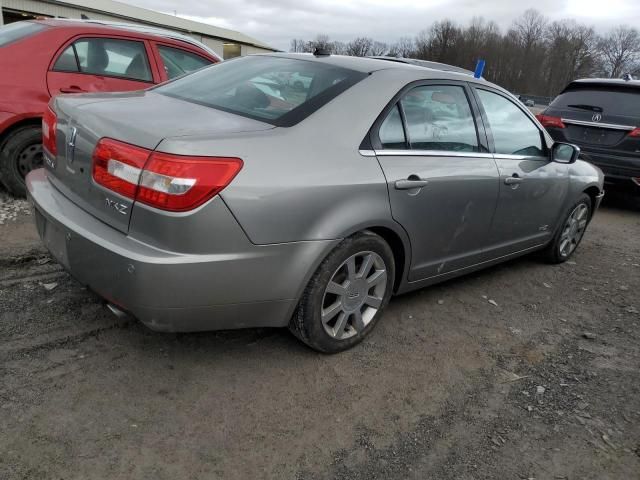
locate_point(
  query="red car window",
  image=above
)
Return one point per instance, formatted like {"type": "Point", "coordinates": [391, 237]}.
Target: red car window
{"type": "Point", "coordinates": [179, 62]}
{"type": "Point", "coordinates": [107, 57]}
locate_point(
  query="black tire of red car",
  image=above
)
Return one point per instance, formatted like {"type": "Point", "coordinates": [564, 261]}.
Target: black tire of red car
{"type": "Point", "coordinates": [20, 153]}
{"type": "Point", "coordinates": [306, 323]}
{"type": "Point", "coordinates": [552, 253]}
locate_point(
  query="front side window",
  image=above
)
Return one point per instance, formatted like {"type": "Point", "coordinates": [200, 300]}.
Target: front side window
{"type": "Point", "coordinates": [513, 132]}
{"type": "Point", "coordinates": [108, 57]}
{"type": "Point", "coordinates": [278, 90]}
{"type": "Point", "coordinates": [438, 117]}
{"type": "Point", "coordinates": [178, 62]}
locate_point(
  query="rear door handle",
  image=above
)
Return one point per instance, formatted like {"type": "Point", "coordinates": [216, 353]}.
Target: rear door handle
{"type": "Point", "coordinates": [410, 183]}
{"type": "Point", "coordinates": [513, 180]}
{"type": "Point", "coordinates": [72, 89]}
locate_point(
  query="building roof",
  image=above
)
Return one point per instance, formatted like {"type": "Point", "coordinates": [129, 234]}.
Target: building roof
{"type": "Point", "coordinates": [124, 10]}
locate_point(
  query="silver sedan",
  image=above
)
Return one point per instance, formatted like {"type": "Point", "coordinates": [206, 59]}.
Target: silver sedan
{"type": "Point", "coordinates": [213, 202]}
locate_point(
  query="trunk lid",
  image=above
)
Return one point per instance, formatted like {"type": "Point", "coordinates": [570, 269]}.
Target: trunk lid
{"type": "Point", "coordinates": [143, 119]}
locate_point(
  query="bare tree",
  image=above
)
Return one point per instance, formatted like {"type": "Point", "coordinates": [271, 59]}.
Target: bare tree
{"type": "Point", "coordinates": [619, 50]}
{"type": "Point", "coordinates": [378, 49]}
{"type": "Point", "coordinates": [532, 57]}
{"type": "Point", "coordinates": [297, 46]}
{"type": "Point", "coordinates": [360, 47]}
{"type": "Point", "coordinates": [402, 48]}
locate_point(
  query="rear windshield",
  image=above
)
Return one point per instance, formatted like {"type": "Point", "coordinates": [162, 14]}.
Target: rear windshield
{"type": "Point", "coordinates": [17, 31]}
{"type": "Point", "coordinates": [276, 90]}
{"type": "Point", "coordinates": [611, 100]}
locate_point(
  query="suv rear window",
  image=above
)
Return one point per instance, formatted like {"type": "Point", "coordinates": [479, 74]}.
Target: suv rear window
{"type": "Point", "coordinates": [276, 90]}
{"type": "Point", "coordinates": [17, 31]}
{"type": "Point", "coordinates": [623, 101]}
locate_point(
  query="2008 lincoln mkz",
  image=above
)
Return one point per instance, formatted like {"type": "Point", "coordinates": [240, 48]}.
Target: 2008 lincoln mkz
{"type": "Point", "coordinates": [301, 191]}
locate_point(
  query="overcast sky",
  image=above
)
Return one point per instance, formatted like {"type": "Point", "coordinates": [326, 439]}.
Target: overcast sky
{"type": "Point", "coordinates": [276, 22]}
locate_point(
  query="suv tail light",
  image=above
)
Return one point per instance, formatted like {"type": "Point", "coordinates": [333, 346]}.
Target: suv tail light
{"type": "Point", "coordinates": [49, 126]}
{"type": "Point", "coordinates": [549, 121]}
{"type": "Point", "coordinates": [635, 133]}
{"type": "Point", "coordinates": [162, 180]}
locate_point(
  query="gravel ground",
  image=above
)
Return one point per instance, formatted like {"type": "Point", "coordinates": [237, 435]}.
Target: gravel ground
{"type": "Point", "coordinates": [543, 382]}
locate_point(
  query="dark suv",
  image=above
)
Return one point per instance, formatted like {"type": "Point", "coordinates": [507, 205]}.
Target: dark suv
{"type": "Point", "coordinates": [602, 117]}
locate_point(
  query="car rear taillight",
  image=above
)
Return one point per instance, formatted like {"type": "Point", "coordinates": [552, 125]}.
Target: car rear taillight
{"type": "Point", "coordinates": [179, 183]}
{"type": "Point", "coordinates": [549, 121]}
{"type": "Point", "coordinates": [635, 133]}
{"type": "Point", "coordinates": [118, 166]}
{"type": "Point", "coordinates": [49, 126]}
{"type": "Point", "coordinates": [162, 180]}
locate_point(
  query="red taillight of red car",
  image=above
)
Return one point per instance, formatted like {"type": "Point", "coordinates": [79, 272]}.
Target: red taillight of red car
{"type": "Point", "coordinates": [635, 133]}
{"type": "Point", "coordinates": [166, 181]}
{"type": "Point", "coordinates": [548, 121]}
{"type": "Point", "coordinates": [49, 126]}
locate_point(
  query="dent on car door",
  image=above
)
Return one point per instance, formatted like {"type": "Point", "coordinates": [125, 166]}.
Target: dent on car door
{"type": "Point", "coordinates": [97, 64]}
{"type": "Point", "coordinates": [533, 189]}
{"type": "Point", "coordinates": [442, 182]}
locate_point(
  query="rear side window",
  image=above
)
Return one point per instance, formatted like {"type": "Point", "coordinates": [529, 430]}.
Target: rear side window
{"type": "Point", "coordinates": [265, 87]}
{"type": "Point", "coordinates": [108, 57]}
{"type": "Point", "coordinates": [608, 100]}
{"type": "Point", "coordinates": [17, 31]}
{"type": "Point", "coordinates": [513, 132]}
{"type": "Point", "coordinates": [439, 118]}
{"type": "Point", "coordinates": [179, 62]}
{"type": "Point", "coordinates": [392, 131]}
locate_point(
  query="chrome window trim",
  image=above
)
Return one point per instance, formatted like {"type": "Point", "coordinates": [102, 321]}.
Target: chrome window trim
{"type": "Point", "coordinates": [596, 124]}
{"type": "Point", "coordinates": [440, 153]}
{"type": "Point", "coordinates": [430, 153]}
{"type": "Point", "coordinates": [505, 156]}
{"type": "Point", "coordinates": [367, 153]}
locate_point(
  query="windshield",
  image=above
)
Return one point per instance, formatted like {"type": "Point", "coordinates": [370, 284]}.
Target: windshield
{"type": "Point", "coordinates": [609, 100]}
{"type": "Point", "coordinates": [280, 91]}
{"type": "Point", "coordinates": [17, 31]}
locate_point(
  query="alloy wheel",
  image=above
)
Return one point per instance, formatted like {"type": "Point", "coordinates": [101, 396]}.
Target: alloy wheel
{"type": "Point", "coordinates": [573, 230]}
{"type": "Point", "coordinates": [354, 295]}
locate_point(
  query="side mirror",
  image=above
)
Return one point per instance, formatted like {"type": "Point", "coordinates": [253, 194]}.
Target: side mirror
{"type": "Point", "coordinates": [564, 152]}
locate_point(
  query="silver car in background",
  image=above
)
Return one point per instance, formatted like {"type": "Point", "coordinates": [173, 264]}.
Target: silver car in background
{"type": "Point", "coordinates": [206, 203]}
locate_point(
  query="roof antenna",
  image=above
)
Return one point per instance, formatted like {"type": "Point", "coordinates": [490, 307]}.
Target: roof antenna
{"type": "Point", "coordinates": [321, 52]}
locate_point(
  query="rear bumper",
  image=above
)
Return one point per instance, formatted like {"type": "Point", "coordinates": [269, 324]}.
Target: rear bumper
{"type": "Point", "coordinates": [620, 173]}
{"type": "Point", "coordinates": [255, 286]}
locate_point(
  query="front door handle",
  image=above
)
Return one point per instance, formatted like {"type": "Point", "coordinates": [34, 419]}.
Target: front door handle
{"type": "Point", "coordinates": [513, 180]}
{"type": "Point", "coordinates": [410, 183]}
{"type": "Point", "coordinates": [72, 89]}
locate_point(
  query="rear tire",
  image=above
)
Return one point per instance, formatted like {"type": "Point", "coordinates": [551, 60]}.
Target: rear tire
{"type": "Point", "coordinates": [20, 153]}
{"type": "Point", "coordinates": [571, 231]}
{"type": "Point", "coordinates": [347, 294]}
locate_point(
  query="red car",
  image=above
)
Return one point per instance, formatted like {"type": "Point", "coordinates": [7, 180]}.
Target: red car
{"type": "Point", "coordinates": [43, 58]}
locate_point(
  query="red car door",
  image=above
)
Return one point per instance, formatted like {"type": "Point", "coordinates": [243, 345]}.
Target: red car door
{"type": "Point", "coordinates": [102, 64]}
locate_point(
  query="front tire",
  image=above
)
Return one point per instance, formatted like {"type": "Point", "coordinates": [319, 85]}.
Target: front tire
{"type": "Point", "coordinates": [570, 234]}
{"type": "Point", "coordinates": [20, 153]}
{"type": "Point", "coordinates": [347, 294]}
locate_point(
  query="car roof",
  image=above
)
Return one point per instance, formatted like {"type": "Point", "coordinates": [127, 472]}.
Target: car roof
{"type": "Point", "coordinates": [371, 64]}
{"type": "Point", "coordinates": [142, 29]}
{"type": "Point", "coordinates": [425, 63]}
{"type": "Point", "coordinates": [611, 82]}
